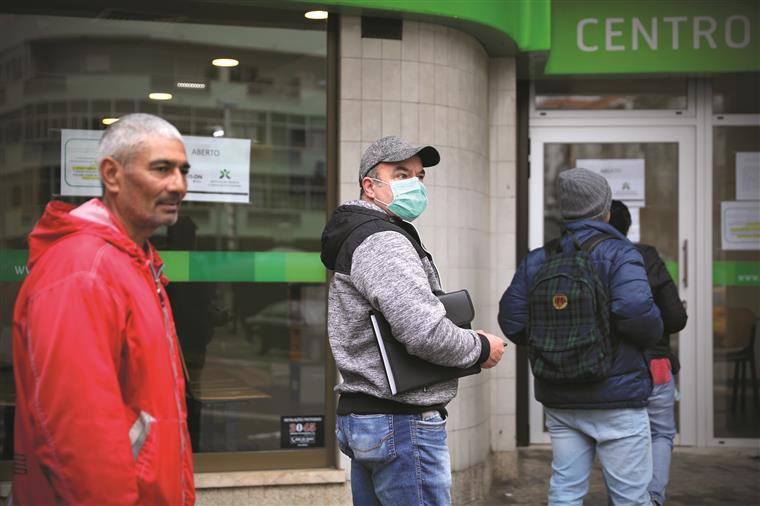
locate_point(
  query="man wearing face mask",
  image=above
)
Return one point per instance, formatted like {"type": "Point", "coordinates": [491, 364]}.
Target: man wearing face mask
{"type": "Point", "coordinates": [397, 444]}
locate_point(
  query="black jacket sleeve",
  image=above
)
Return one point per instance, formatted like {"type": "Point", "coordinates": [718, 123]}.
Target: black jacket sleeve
{"type": "Point", "coordinates": [664, 291]}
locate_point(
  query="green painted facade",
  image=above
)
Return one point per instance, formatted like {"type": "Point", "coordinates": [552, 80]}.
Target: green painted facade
{"type": "Point", "coordinates": [599, 37]}
{"type": "Point", "coordinates": [526, 22]}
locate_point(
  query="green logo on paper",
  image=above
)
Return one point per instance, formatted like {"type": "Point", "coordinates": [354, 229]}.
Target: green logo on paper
{"type": "Point", "coordinates": [224, 173]}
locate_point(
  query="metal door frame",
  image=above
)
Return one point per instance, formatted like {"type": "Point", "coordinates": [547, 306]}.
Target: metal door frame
{"type": "Point", "coordinates": [614, 132]}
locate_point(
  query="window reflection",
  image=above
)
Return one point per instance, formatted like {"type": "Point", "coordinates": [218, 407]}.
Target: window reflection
{"type": "Point", "coordinates": [736, 94]}
{"type": "Point", "coordinates": [610, 94]}
{"type": "Point", "coordinates": [658, 218]}
{"type": "Point", "coordinates": [248, 290]}
{"type": "Point", "coordinates": [736, 299]}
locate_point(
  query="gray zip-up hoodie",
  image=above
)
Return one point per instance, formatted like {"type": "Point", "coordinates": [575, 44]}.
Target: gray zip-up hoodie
{"type": "Point", "coordinates": [382, 270]}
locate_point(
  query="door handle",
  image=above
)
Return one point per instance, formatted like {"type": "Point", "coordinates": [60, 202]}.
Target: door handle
{"type": "Point", "coordinates": [685, 250]}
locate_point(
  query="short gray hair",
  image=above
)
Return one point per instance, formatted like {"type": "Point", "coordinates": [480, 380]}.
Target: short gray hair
{"type": "Point", "coordinates": [125, 138]}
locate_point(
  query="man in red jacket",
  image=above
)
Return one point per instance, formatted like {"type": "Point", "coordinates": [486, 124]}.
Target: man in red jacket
{"type": "Point", "coordinates": [100, 413]}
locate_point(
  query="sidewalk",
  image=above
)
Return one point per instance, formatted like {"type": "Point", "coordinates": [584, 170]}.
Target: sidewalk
{"type": "Point", "coordinates": [715, 476]}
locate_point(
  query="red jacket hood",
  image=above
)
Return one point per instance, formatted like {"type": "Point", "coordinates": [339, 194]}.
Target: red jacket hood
{"type": "Point", "coordinates": [93, 217]}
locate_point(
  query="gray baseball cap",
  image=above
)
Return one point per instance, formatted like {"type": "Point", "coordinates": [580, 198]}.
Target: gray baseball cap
{"type": "Point", "coordinates": [393, 149]}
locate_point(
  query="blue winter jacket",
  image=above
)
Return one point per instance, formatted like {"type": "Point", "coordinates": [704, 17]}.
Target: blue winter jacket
{"type": "Point", "coordinates": [635, 319]}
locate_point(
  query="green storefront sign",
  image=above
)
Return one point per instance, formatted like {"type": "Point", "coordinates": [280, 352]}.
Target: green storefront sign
{"type": "Point", "coordinates": [600, 36]}
{"type": "Point", "coordinates": [615, 36]}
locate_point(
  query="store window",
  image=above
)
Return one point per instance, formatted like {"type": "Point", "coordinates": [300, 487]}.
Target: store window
{"type": "Point", "coordinates": [248, 289]}
{"type": "Point", "coordinates": [582, 94]}
{"type": "Point", "coordinates": [736, 281]}
{"type": "Point", "coordinates": [736, 94]}
{"type": "Point", "coordinates": [736, 255]}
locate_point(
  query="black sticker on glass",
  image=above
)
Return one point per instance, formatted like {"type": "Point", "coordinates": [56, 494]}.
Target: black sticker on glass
{"type": "Point", "coordinates": [302, 431]}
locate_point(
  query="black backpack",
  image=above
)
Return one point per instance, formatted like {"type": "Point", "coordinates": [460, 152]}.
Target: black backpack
{"type": "Point", "coordinates": [569, 333]}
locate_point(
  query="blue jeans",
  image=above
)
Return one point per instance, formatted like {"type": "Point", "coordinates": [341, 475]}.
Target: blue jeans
{"type": "Point", "coordinates": [661, 410]}
{"type": "Point", "coordinates": [622, 440]}
{"type": "Point", "coordinates": [397, 459]}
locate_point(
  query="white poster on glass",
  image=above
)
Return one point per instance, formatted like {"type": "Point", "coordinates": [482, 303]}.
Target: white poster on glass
{"type": "Point", "coordinates": [748, 175]}
{"type": "Point", "coordinates": [625, 176]}
{"type": "Point", "coordinates": [634, 233]}
{"type": "Point", "coordinates": [219, 167]}
{"type": "Point", "coordinates": [79, 167]}
{"type": "Point", "coordinates": [740, 225]}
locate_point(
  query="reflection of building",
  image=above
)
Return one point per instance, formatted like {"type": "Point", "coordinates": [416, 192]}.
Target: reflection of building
{"type": "Point", "coordinates": [310, 96]}
{"type": "Point", "coordinates": [84, 72]}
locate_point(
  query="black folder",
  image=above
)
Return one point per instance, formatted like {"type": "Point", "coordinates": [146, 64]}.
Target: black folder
{"type": "Point", "coordinates": [406, 372]}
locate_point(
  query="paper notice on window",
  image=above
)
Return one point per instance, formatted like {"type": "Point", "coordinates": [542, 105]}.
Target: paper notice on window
{"type": "Point", "coordinates": [79, 163]}
{"type": "Point", "coordinates": [625, 176]}
{"type": "Point", "coordinates": [748, 175]}
{"type": "Point", "coordinates": [219, 167]}
{"type": "Point", "coordinates": [740, 225]}
{"type": "Point", "coordinates": [634, 233]}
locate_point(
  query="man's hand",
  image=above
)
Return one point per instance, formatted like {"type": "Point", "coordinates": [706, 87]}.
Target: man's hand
{"type": "Point", "coordinates": [497, 349]}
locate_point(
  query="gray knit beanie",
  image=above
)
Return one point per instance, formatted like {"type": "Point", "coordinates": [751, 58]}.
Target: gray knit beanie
{"type": "Point", "coordinates": [583, 195]}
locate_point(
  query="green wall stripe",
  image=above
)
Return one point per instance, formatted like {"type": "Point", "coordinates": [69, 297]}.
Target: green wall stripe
{"type": "Point", "coordinates": [727, 273]}
{"type": "Point", "coordinates": [13, 264]}
{"type": "Point", "coordinates": [211, 266]}
{"type": "Point", "coordinates": [306, 267]}
{"type": "Point", "coordinates": [672, 267]}
{"type": "Point", "coordinates": [269, 266]}
{"type": "Point", "coordinates": [176, 265]}
{"type": "Point", "coordinates": [744, 273]}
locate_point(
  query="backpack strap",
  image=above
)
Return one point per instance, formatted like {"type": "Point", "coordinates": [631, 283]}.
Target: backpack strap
{"type": "Point", "coordinates": [593, 241]}
{"type": "Point", "coordinates": [555, 245]}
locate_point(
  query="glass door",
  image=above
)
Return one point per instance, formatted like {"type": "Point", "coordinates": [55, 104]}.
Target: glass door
{"type": "Point", "coordinates": [659, 165]}
{"type": "Point", "coordinates": [736, 282]}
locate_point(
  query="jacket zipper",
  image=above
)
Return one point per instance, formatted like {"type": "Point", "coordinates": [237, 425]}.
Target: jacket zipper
{"type": "Point", "coordinates": [172, 356]}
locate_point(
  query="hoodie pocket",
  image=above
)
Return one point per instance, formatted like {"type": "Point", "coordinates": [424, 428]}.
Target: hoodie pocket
{"type": "Point", "coordinates": [139, 432]}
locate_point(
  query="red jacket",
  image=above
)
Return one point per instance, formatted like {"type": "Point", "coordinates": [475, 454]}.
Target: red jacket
{"type": "Point", "coordinates": [100, 413]}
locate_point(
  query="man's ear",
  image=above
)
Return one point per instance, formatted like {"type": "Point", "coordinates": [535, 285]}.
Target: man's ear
{"type": "Point", "coordinates": [110, 174]}
{"type": "Point", "coordinates": [368, 187]}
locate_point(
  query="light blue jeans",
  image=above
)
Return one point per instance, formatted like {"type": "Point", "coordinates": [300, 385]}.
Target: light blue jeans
{"type": "Point", "coordinates": [661, 410]}
{"type": "Point", "coordinates": [397, 460]}
{"type": "Point", "coordinates": [621, 438]}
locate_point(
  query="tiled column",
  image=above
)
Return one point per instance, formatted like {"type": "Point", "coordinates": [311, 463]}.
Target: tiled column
{"type": "Point", "coordinates": [503, 139]}
{"type": "Point", "coordinates": [437, 86]}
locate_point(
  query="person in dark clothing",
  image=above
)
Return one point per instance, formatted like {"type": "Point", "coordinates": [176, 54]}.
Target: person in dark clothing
{"type": "Point", "coordinates": [607, 417]}
{"type": "Point", "coordinates": [662, 361]}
